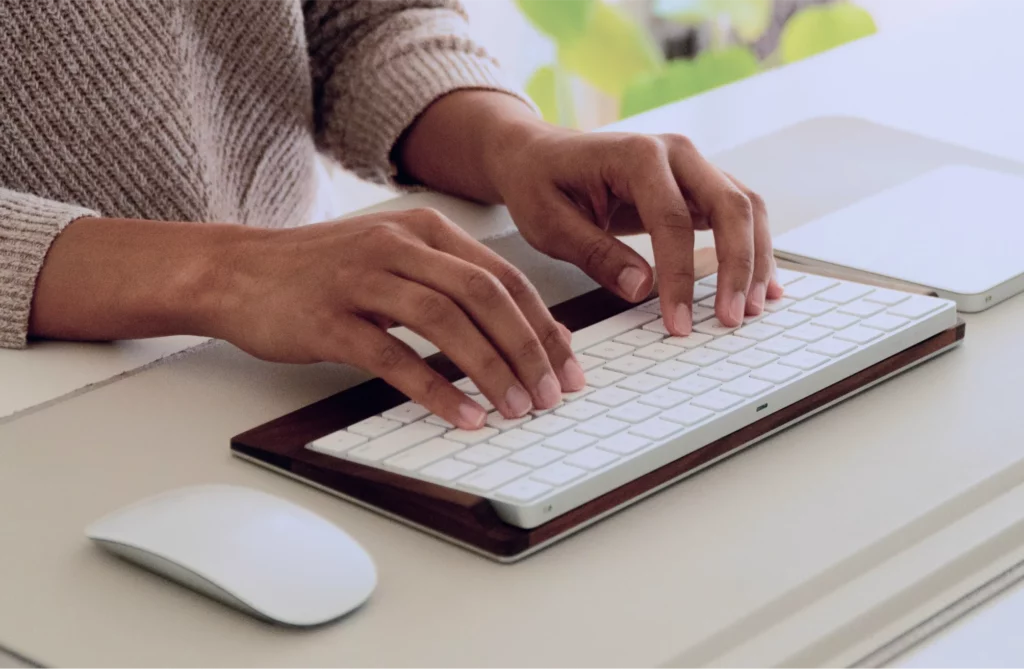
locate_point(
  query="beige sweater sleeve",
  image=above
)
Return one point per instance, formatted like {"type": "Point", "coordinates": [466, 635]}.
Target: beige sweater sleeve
{"type": "Point", "coordinates": [378, 64]}
{"type": "Point", "coordinates": [28, 225]}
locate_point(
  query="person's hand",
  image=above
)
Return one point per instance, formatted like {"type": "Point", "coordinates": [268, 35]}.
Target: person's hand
{"type": "Point", "coordinates": [570, 193]}
{"type": "Point", "coordinates": [329, 292]}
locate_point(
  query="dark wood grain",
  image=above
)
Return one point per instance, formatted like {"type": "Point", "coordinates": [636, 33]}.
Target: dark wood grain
{"type": "Point", "coordinates": [471, 519]}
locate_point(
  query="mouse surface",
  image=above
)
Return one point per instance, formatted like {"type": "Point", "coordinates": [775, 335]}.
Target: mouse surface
{"type": "Point", "coordinates": [259, 553]}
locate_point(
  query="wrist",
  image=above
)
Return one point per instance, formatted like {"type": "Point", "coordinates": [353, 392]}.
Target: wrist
{"type": "Point", "coordinates": [507, 141]}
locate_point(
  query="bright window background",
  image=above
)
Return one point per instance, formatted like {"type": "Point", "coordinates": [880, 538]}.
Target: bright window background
{"type": "Point", "coordinates": [688, 39]}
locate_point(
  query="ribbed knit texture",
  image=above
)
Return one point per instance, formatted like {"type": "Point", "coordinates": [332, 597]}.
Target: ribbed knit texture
{"type": "Point", "coordinates": [204, 110]}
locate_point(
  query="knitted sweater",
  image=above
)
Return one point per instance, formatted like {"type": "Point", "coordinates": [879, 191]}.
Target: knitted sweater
{"type": "Point", "coordinates": [204, 110]}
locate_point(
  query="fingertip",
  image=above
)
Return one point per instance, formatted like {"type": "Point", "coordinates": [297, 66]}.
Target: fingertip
{"type": "Point", "coordinates": [775, 290]}
{"type": "Point", "coordinates": [755, 298]}
{"type": "Point", "coordinates": [471, 415]}
{"type": "Point", "coordinates": [680, 323]}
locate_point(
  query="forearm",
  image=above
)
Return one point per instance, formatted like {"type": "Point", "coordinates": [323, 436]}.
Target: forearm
{"type": "Point", "coordinates": [456, 145]}
{"type": "Point", "coordinates": [106, 279]}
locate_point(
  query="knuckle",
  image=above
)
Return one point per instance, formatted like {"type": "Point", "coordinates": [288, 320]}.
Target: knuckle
{"type": "Point", "coordinates": [596, 253]}
{"type": "Point", "coordinates": [552, 338]}
{"type": "Point", "coordinates": [483, 287]}
{"type": "Point", "coordinates": [738, 204]}
{"type": "Point", "coordinates": [431, 218]}
{"type": "Point", "coordinates": [680, 143]}
{"type": "Point", "coordinates": [390, 355]}
{"type": "Point", "coordinates": [432, 385]}
{"type": "Point", "coordinates": [743, 263]}
{"type": "Point", "coordinates": [531, 351]}
{"type": "Point", "coordinates": [514, 281]}
{"type": "Point", "coordinates": [435, 309]}
{"type": "Point", "coordinates": [757, 202]}
{"type": "Point", "coordinates": [645, 147]}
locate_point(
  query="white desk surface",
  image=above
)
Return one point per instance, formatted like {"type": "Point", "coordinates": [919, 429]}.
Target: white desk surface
{"type": "Point", "coordinates": [707, 572]}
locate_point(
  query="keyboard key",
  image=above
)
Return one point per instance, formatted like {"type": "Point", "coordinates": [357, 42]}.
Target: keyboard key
{"type": "Point", "coordinates": [700, 314]}
{"type": "Point", "coordinates": [844, 292]}
{"type": "Point", "coordinates": [752, 358]}
{"type": "Point", "coordinates": [695, 385]}
{"type": "Point", "coordinates": [687, 415]}
{"type": "Point", "coordinates": [835, 321]}
{"type": "Point", "coordinates": [887, 297]}
{"type": "Point", "coordinates": [664, 398]}
{"type": "Point", "coordinates": [466, 385]}
{"type": "Point", "coordinates": [591, 458]}
{"type": "Point", "coordinates": [658, 352]}
{"type": "Point", "coordinates": [602, 426]}
{"type": "Point", "coordinates": [706, 303]}
{"type": "Point", "coordinates": [437, 420]}
{"type": "Point", "coordinates": [785, 319]}
{"type": "Point", "coordinates": [633, 412]}
{"type": "Point", "coordinates": [702, 357]}
{"type": "Point", "coordinates": [813, 307]}
{"type": "Point", "coordinates": [609, 350]}
{"type": "Point", "coordinates": [570, 441]}
{"type": "Point", "coordinates": [516, 439]}
{"type": "Point", "coordinates": [557, 474]}
{"type": "Point", "coordinates": [629, 364]}
{"type": "Point", "coordinates": [730, 344]}
{"type": "Point", "coordinates": [337, 443]}
{"type": "Point", "coordinates": [484, 403]}
{"type": "Point", "coordinates": [759, 331]}
{"type": "Point", "coordinates": [374, 426]}
{"type": "Point", "coordinates": [885, 322]}
{"type": "Point", "coordinates": [471, 436]}
{"type": "Point", "coordinates": [601, 377]}
{"type": "Point", "coordinates": [787, 276]}
{"type": "Point", "coordinates": [713, 327]}
{"type": "Point", "coordinates": [747, 387]}
{"type": "Point", "coordinates": [577, 394]}
{"type": "Point", "coordinates": [781, 345]}
{"type": "Point", "coordinates": [482, 454]}
{"type": "Point", "coordinates": [643, 383]}
{"type": "Point", "coordinates": [492, 476]}
{"type": "Point", "coordinates": [803, 360]}
{"type": "Point", "coordinates": [652, 307]}
{"type": "Point", "coordinates": [407, 412]}
{"type": "Point", "coordinates": [447, 470]}
{"type": "Point", "coordinates": [693, 340]}
{"type": "Point", "coordinates": [420, 456]}
{"type": "Point", "coordinates": [391, 443]}
{"type": "Point", "coordinates": [548, 425]}
{"type": "Point", "coordinates": [916, 307]}
{"type": "Point", "coordinates": [809, 333]}
{"type": "Point", "coordinates": [673, 369]}
{"type": "Point", "coordinates": [831, 347]}
{"type": "Point", "coordinates": [536, 456]}
{"type": "Point", "coordinates": [750, 320]}
{"type": "Point", "coordinates": [775, 373]}
{"type": "Point", "coordinates": [588, 362]}
{"type": "Point", "coordinates": [710, 280]}
{"type": "Point", "coordinates": [613, 397]}
{"type": "Point", "coordinates": [496, 420]}
{"type": "Point", "coordinates": [523, 490]}
{"type": "Point", "coordinates": [723, 371]}
{"type": "Point", "coordinates": [772, 306]}
{"type": "Point", "coordinates": [638, 337]}
{"type": "Point", "coordinates": [580, 410]}
{"type": "Point", "coordinates": [807, 286]}
{"type": "Point", "coordinates": [658, 326]}
{"type": "Point", "coordinates": [654, 428]}
{"type": "Point", "coordinates": [716, 400]}
{"type": "Point", "coordinates": [858, 334]}
{"type": "Point", "coordinates": [861, 308]}
{"type": "Point", "coordinates": [624, 444]}
{"type": "Point", "coordinates": [702, 291]}
{"type": "Point", "coordinates": [611, 327]}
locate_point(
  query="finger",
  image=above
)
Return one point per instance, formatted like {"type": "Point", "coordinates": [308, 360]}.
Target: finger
{"type": "Point", "coordinates": [647, 181]}
{"type": "Point", "coordinates": [626, 220]}
{"type": "Point", "coordinates": [455, 241]}
{"type": "Point", "coordinates": [763, 275]}
{"type": "Point", "coordinates": [488, 303]}
{"type": "Point", "coordinates": [567, 234]}
{"type": "Point", "coordinates": [731, 216]}
{"type": "Point", "coordinates": [438, 319]}
{"type": "Point", "coordinates": [394, 361]}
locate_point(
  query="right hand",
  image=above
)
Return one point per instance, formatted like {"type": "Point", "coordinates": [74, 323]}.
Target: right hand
{"type": "Point", "coordinates": [329, 292]}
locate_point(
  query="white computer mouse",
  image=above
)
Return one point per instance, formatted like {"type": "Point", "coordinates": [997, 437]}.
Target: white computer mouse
{"type": "Point", "coordinates": [261, 554]}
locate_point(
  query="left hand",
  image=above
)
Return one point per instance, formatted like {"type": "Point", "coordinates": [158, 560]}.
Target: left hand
{"type": "Point", "coordinates": [570, 193]}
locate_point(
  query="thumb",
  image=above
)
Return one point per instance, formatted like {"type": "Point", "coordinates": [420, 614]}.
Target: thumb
{"type": "Point", "coordinates": [564, 232]}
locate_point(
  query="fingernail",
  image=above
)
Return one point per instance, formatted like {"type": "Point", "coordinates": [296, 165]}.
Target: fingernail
{"type": "Point", "coordinates": [757, 296]}
{"type": "Point", "coordinates": [472, 416]}
{"type": "Point", "coordinates": [549, 390]}
{"type": "Point", "coordinates": [738, 306]}
{"type": "Point", "coordinates": [630, 280]}
{"type": "Point", "coordinates": [683, 319]}
{"type": "Point", "coordinates": [572, 375]}
{"type": "Point", "coordinates": [517, 401]}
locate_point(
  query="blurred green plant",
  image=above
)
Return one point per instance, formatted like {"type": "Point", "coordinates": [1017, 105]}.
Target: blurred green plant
{"type": "Point", "coordinates": [601, 45]}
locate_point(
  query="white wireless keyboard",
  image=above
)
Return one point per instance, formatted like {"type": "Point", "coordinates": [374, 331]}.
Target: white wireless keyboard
{"type": "Point", "coordinates": [651, 398]}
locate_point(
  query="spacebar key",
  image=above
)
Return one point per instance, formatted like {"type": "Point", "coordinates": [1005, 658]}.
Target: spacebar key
{"type": "Point", "coordinates": [395, 442]}
{"type": "Point", "coordinates": [611, 327]}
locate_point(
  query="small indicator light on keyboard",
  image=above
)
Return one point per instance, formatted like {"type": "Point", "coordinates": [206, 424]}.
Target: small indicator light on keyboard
{"type": "Point", "coordinates": [763, 406]}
